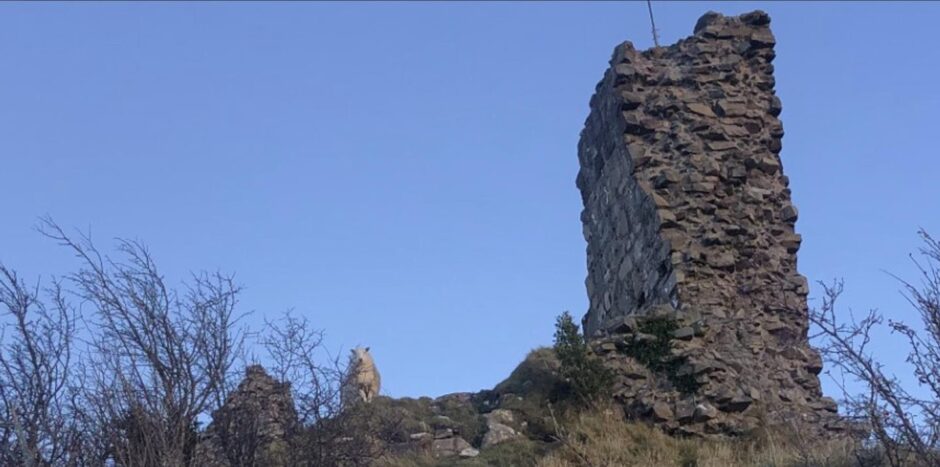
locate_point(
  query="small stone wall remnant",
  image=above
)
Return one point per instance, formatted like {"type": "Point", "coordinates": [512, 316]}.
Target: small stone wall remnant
{"type": "Point", "coordinates": [253, 425]}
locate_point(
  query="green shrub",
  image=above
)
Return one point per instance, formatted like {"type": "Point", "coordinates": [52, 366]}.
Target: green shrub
{"type": "Point", "coordinates": [585, 374]}
{"type": "Point", "coordinates": [656, 353]}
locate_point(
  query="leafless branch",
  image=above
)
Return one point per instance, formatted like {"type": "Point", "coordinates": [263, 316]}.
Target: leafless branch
{"type": "Point", "coordinates": [160, 358]}
{"type": "Point", "coordinates": [904, 424]}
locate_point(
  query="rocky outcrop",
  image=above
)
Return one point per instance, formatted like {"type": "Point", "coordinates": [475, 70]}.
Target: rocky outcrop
{"type": "Point", "coordinates": [253, 425]}
{"type": "Point", "coordinates": [459, 424]}
{"type": "Point", "coordinates": [694, 292]}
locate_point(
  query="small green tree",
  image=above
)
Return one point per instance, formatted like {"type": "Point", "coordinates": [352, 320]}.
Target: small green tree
{"type": "Point", "coordinates": [587, 377]}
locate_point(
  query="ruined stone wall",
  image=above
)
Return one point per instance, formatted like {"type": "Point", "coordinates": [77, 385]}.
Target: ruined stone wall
{"type": "Point", "coordinates": [252, 426]}
{"type": "Point", "coordinates": [687, 215]}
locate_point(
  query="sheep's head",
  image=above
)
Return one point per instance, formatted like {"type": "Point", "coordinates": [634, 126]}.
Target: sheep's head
{"type": "Point", "coordinates": [359, 355]}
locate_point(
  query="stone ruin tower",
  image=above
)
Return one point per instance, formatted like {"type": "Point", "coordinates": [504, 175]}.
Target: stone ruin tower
{"type": "Point", "coordinates": [690, 233]}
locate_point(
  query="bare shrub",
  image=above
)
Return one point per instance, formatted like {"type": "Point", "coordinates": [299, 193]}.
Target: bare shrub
{"type": "Point", "coordinates": [904, 424]}
{"type": "Point", "coordinates": [296, 350]}
{"type": "Point", "coordinates": [159, 358]}
{"type": "Point", "coordinates": [149, 362]}
{"type": "Point", "coordinates": [40, 423]}
{"type": "Point", "coordinates": [332, 430]}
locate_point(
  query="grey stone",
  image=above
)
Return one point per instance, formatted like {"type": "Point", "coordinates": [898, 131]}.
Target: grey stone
{"type": "Point", "coordinates": [731, 109]}
{"type": "Point", "coordinates": [661, 412]}
{"type": "Point", "coordinates": [497, 433]}
{"type": "Point", "coordinates": [789, 213]}
{"type": "Point", "coordinates": [701, 109]}
{"type": "Point", "coordinates": [503, 416]}
{"type": "Point", "coordinates": [738, 403]}
{"type": "Point", "coordinates": [721, 259]}
{"type": "Point", "coordinates": [685, 411]}
{"type": "Point", "coordinates": [762, 38]}
{"type": "Point", "coordinates": [707, 20]}
{"type": "Point", "coordinates": [469, 452]}
{"type": "Point", "coordinates": [775, 107]}
{"type": "Point", "coordinates": [449, 447]}
{"type": "Point", "coordinates": [423, 436]}
{"type": "Point", "coordinates": [684, 333]}
{"type": "Point", "coordinates": [704, 412]}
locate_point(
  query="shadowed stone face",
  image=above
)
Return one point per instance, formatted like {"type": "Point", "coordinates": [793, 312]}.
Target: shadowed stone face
{"type": "Point", "coordinates": [687, 216]}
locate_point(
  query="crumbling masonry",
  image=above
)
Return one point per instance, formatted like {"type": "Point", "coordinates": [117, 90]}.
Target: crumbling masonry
{"type": "Point", "coordinates": [690, 232]}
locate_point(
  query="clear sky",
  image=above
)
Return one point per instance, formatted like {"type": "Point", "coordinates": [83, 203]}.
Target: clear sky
{"type": "Point", "coordinates": [403, 173]}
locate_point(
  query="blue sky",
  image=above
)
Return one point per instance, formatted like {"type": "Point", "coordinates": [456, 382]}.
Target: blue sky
{"type": "Point", "coordinates": [403, 173]}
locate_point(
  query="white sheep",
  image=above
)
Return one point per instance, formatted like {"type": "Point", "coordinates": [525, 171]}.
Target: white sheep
{"type": "Point", "coordinates": [363, 380]}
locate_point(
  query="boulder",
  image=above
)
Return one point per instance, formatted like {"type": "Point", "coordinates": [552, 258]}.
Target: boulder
{"type": "Point", "coordinates": [449, 447]}
{"type": "Point", "coordinates": [497, 433]}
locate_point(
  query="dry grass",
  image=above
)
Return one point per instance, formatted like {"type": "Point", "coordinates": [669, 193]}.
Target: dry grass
{"type": "Point", "coordinates": [602, 437]}
{"type": "Point", "coordinates": [520, 453]}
